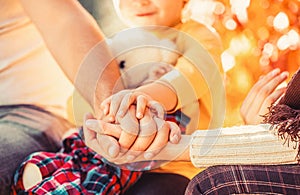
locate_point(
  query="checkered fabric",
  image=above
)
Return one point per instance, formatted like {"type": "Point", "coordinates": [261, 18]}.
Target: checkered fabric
{"type": "Point", "coordinates": [76, 169]}
{"type": "Point", "coordinates": [246, 179]}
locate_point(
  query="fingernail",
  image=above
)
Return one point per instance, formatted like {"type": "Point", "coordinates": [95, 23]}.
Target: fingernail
{"type": "Point", "coordinates": [148, 155]}
{"type": "Point", "coordinates": [285, 74]}
{"type": "Point", "coordinates": [111, 118]}
{"type": "Point", "coordinates": [120, 113]}
{"type": "Point", "coordinates": [91, 124]}
{"type": "Point", "coordinates": [113, 151]}
{"type": "Point", "coordinates": [275, 71]}
{"type": "Point", "coordinates": [139, 115]}
{"type": "Point", "coordinates": [105, 111]}
{"type": "Point", "coordinates": [174, 139]}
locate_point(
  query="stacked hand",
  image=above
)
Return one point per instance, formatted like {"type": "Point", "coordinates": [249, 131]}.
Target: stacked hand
{"type": "Point", "coordinates": [133, 125]}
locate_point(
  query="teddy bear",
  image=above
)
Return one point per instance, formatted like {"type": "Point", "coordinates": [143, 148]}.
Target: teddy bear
{"type": "Point", "coordinates": [142, 56]}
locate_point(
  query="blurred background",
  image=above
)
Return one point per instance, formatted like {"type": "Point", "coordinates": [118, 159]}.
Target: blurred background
{"type": "Point", "coordinates": [257, 35]}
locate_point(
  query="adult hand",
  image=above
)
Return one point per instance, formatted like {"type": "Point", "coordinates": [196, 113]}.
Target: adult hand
{"type": "Point", "coordinates": [103, 138]}
{"type": "Point", "coordinates": [264, 93]}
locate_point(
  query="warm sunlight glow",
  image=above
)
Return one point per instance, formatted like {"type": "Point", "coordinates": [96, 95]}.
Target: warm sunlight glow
{"type": "Point", "coordinates": [290, 40]}
{"type": "Point", "coordinates": [230, 24]}
{"type": "Point", "coordinates": [239, 7]}
{"type": "Point", "coordinates": [219, 8]}
{"type": "Point", "coordinates": [203, 10]}
{"type": "Point", "coordinates": [281, 21]}
{"type": "Point", "coordinates": [268, 49]}
{"type": "Point", "coordinates": [239, 45]}
{"type": "Point", "coordinates": [228, 61]}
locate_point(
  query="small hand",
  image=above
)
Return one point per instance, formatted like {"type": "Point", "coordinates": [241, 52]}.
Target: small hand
{"type": "Point", "coordinates": [103, 137]}
{"type": "Point", "coordinates": [117, 105]}
{"type": "Point", "coordinates": [262, 95]}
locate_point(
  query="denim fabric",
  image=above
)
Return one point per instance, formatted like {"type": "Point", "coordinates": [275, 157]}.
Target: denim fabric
{"type": "Point", "coordinates": [25, 129]}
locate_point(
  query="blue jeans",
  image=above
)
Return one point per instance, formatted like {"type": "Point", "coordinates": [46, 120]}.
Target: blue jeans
{"type": "Point", "coordinates": [25, 129]}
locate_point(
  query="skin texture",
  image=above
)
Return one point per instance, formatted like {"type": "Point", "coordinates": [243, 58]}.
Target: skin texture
{"type": "Point", "coordinates": [151, 12]}
{"type": "Point", "coordinates": [264, 93]}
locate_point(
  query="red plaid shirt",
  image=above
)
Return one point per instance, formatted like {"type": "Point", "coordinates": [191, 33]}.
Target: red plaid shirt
{"type": "Point", "coordinates": [76, 169]}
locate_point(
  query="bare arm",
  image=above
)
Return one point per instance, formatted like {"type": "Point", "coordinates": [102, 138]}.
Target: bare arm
{"type": "Point", "coordinates": [70, 32]}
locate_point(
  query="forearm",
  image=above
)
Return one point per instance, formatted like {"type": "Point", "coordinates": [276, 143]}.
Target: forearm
{"type": "Point", "coordinates": [161, 92]}
{"type": "Point", "coordinates": [70, 32]}
{"type": "Point", "coordinates": [253, 144]}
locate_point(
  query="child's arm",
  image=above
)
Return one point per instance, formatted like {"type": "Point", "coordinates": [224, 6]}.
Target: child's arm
{"type": "Point", "coordinates": [144, 96]}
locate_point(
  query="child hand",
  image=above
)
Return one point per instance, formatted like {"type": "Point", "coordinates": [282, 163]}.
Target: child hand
{"type": "Point", "coordinates": [262, 95]}
{"type": "Point", "coordinates": [110, 105]}
{"type": "Point", "coordinates": [117, 105]}
{"type": "Point", "coordinates": [102, 138]}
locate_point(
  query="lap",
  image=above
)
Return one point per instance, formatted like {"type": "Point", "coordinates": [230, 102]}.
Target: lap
{"type": "Point", "coordinates": [237, 179]}
{"type": "Point", "coordinates": [25, 129]}
{"type": "Point", "coordinates": [152, 183]}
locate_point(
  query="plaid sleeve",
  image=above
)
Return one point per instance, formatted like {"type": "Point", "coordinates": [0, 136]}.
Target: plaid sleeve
{"type": "Point", "coordinates": [76, 169]}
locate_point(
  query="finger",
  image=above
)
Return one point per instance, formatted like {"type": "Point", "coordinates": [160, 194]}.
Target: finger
{"type": "Point", "coordinates": [275, 96]}
{"type": "Point", "coordinates": [156, 108]}
{"type": "Point", "coordinates": [141, 105]}
{"type": "Point", "coordinates": [126, 102]}
{"type": "Point", "coordinates": [161, 139]}
{"type": "Point", "coordinates": [105, 105]}
{"type": "Point", "coordinates": [104, 145]}
{"type": "Point", "coordinates": [146, 135]}
{"type": "Point", "coordinates": [257, 87]}
{"type": "Point", "coordinates": [147, 125]}
{"type": "Point", "coordinates": [108, 144]}
{"type": "Point", "coordinates": [131, 155]}
{"type": "Point", "coordinates": [275, 82]}
{"type": "Point", "coordinates": [175, 134]}
{"type": "Point", "coordinates": [116, 101]}
{"type": "Point", "coordinates": [102, 127]}
{"type": "Point", "coordinates": [252, 103]}
{"type": "Point", "coordinates": [88, 134]}
{"type": "Point", "coordinates": [266, 90]}
{"type": "Point", "coordinates": [114, 106]}
{"type": "Point", "coordinates": [130, 127]}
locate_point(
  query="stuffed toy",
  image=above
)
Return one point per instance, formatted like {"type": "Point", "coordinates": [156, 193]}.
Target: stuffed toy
{"type": "Point", "coordinates": [142, 56]}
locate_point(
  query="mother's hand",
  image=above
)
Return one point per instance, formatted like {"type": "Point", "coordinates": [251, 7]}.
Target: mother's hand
{"type": "Point", "coordinates": [104, 137]}
{"type": "Point", "coordinates": [262, 95]}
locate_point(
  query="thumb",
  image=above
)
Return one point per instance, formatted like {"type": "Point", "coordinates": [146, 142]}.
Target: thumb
{"type": "Point", "coordinates": [102, 127]}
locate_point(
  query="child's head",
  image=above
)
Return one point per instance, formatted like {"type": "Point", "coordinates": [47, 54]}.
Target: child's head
{"type": "Point", "coordinates": [150, 12]}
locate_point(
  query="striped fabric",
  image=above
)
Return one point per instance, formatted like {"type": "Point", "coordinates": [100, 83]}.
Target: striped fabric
{"type": "Point", "coordinates": [246, 179]}
{"type": "Point", "coordinates": [247, 144]}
